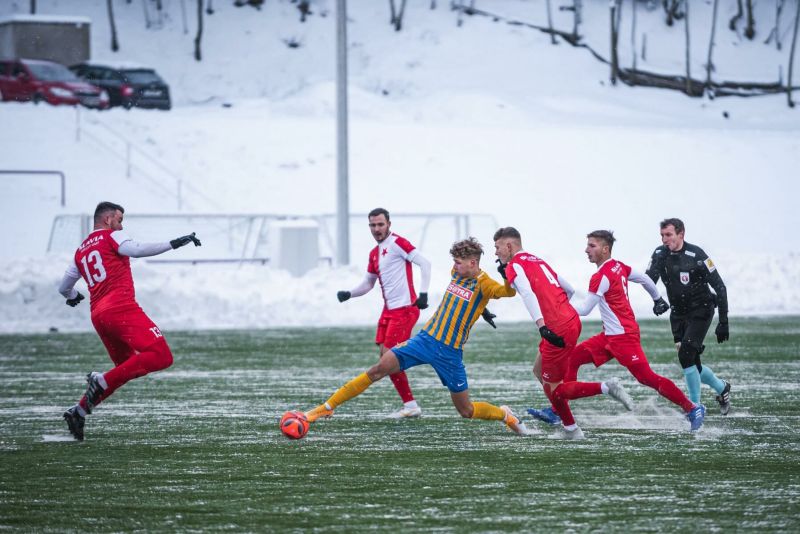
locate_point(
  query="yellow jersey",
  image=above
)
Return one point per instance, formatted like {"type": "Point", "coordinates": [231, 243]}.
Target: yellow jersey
{"type": "Point", "coordinates": [462, 304]}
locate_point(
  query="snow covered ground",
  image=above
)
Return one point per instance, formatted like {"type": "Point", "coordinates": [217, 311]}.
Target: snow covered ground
{"type": "Point", "coordinates": [485, 118]}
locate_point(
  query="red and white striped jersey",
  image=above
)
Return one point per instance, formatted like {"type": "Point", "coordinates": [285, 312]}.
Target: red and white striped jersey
{"type": "Point", "coordinates": [391, 262]}
{"type": "Point", "coordinates": [610, 283]}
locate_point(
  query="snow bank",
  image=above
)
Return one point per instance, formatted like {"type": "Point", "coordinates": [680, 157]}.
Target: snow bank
{"type": "Point", "coordinates": [179, 297]}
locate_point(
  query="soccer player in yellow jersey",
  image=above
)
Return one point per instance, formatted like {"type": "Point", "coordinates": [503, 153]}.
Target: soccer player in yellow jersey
{"type": "Point", "coordinates": [439, 344]}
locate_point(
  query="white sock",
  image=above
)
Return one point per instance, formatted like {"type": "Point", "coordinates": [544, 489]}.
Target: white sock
{"type": "Point", "coordinates": [411, 404]}
{"type": "Point", "coordinates": [570, 428]}
{"type": "Point", "coordinates": [102, 380]}
{"type": "Point", "coordinates": [604, 388]}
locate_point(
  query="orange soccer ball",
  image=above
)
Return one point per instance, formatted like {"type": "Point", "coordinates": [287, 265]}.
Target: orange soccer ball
{"type": "Point", "coordinates": [294, 424]}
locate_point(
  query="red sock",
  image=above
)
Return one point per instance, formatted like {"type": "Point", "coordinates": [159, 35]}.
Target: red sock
{"type": "Point", "coordinates": [567, 391]}
{"type": "Point", "coordinates": [664, 386]}
{"type": "Point", "coordinates": [579, 356]}
{"type": "Point", "coordinates": [578, 390]}
{"type": "Point", "coordinates": [155, 358]}
{"type": "Point", "coordinates": [560, 405]}
{"type": "Point", "coordinates": [400, 381]}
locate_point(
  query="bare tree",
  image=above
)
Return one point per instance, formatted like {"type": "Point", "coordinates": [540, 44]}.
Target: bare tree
{"type": "Point", "coordinates": [735, 19]}
{"type": "Point", "coordinates": [673, 10]}
{"type": "Point", "coordinates": [147, 21]}
{"type": "Point", "coordinates": [614, 8]}
{"type": "Point", "coordinates": [633, 33]}
{"type": "Point", "coordinates": [112, 22]}
{"type": "Point", "coordinates": [550, 23]}
{"type": "Point", "coordinates": [462, 10]}
{"type": "Point", "coordinates": [791, 56]}
{"type": "Point", "coordinates": [252, 3]}
{"type": "Point", "coordinates": [183, 17]}
{"type": "Point", "coordinates": [197, 55]}
{"type": "Point", "coordinates": [577, 17]}
{"type": "Point", "coordinates": [644, 47]}
{"type": "Point", "coordinates": [776, 31]}
{"type": "Point", "coordinates": [710, 62]}
{"type": "Point", "coordinates": [688, 55]}
{"type": "Point", "coordinates": [304, 6]}
{"type": "Point", "coordinates": [397, 14]}
{"type": "Point", "coordinates": [750, 30]}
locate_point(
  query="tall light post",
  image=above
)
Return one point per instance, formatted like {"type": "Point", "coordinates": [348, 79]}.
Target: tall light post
{"type": "Point", "coordinates": [342, 194]}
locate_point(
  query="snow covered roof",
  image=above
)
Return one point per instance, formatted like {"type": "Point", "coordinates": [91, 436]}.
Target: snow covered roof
{"type": "Point", "coordinates": [37, 61]}
{"type": "Point", "coordinates": [53, 19]}
{"type": "Point", "coordinates": [117, 64]}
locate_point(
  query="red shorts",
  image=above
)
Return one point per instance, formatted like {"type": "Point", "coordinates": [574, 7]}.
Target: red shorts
{"type": "Point", "coordinates": [395, 325]}
{"type": "Point", "coordinates": [555, 359]}
{"type": "Point", "coordinates": [625, 348]}
{"type": "Point", "coordinates": [125, 331]}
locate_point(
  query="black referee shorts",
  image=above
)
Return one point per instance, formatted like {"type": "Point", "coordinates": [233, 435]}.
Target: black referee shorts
{"type": "Point", "coordinates": [692, 327]}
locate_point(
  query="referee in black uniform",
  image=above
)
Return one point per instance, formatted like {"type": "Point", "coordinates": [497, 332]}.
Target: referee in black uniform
{"type": "Point", "coordinates": [687, 273]}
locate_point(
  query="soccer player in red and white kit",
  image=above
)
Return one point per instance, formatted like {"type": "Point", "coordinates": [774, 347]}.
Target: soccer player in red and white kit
{"type": "Point", "coordinates": [620, 339]}
{"type": "Point", "coordinates": [546, 296]}
{"type": "Point", "coordinates": [133, 341]}
{"type": "Point", "coordinates": [390, 263]}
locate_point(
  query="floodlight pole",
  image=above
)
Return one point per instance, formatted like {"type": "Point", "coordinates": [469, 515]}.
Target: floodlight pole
{"type": "Point", "coordinates": [342, 200]}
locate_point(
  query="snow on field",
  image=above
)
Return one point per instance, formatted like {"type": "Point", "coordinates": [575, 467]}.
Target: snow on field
{"type": "Point", "coordinates": [486, 118]}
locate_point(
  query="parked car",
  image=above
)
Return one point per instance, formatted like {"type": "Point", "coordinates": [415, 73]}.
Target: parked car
{"type": "Point", "coordinates": [30, 80]}
{"type": "Point", "coordinates": [127, 85]}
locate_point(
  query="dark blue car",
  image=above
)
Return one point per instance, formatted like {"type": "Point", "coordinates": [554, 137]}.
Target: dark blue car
{"type": "Point", "coordinates": [127, 85]}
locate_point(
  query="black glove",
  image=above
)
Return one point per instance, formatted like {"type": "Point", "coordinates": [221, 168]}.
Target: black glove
{"type": "Point", "coordinates": [343, 295]}
{"type": "Point", "coordinates": [422, 301]}
{"type": "Point", "coordinates": [74, 302]}
{"type": "Point", "coordinates": [723, 334]}
{"type": "Point", "coordinates": [501, 268]}
{"type": "Point", "coordinates": [660, 306]}
{"type": "Point", "coordinates": [489, 317]}
{"type": "Point", "coordinates": [551, 337]}
{"type": "Point", "coordinates": [185, 240]}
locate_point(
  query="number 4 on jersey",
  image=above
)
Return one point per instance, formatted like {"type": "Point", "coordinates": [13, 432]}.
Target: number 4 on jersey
{"type": "Point", "coordinates": [549, 275]}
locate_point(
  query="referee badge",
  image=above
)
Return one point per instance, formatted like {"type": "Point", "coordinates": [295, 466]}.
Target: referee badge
{"type": "Point", "coordinates": [685, 279]}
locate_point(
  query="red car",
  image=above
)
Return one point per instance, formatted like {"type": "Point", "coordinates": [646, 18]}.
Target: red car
{"type": "Point", "coordinates": [30, 80]}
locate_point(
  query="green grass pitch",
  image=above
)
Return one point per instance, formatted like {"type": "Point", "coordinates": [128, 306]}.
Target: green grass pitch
{"type": "Point", "coordinates": [197, 447]}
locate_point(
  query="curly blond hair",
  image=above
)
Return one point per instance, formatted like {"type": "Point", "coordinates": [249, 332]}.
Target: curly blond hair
{"type": "Point", "coordinates": [466, 248]}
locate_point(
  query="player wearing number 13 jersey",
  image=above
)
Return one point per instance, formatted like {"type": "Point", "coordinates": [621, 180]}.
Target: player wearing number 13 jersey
{"type": "Point", "coordinates": [133, 341]}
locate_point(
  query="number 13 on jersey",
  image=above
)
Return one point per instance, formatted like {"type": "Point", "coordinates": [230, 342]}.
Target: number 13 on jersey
{"type": "Point", "coordinates": [93, 268]}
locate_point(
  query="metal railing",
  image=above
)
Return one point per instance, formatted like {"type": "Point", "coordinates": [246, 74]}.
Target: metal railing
{"type": "Point", "coordinates": [127, 153]}
{"type": "Point", "coordinates": [58, 173]}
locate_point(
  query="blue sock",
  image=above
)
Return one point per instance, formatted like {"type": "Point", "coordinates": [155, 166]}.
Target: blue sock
{"type": "Point", "coordinates": [708, 377]}
{"type": "Point", "coordinates": [693, 383]}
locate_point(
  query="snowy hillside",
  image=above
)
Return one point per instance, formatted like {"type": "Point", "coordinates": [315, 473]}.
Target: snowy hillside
{"type": "Point", "coordinates": [483, 118]}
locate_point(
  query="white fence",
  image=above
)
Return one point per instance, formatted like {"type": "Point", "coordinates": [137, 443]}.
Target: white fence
{"type": "Point", "coordinates": [250, 238]}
